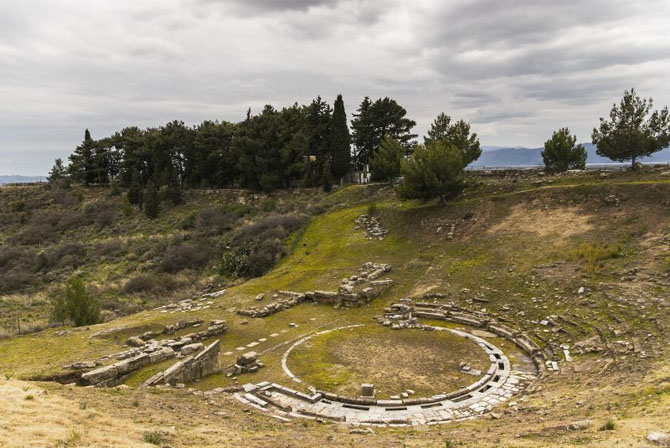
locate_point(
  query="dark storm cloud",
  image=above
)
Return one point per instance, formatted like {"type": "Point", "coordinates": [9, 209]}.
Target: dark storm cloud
{"type": "Point", "coordinates": [516, 69]}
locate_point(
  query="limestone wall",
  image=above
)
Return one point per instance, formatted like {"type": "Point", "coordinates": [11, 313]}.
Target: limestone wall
{"type": "Point", "coordinates": [190, 368]}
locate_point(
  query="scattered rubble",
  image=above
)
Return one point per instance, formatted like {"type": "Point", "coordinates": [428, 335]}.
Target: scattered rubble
{"type": "Point", "coordinates": [611, 200]}
{"type": "Point", "coordinates": [373, 230]}
{"type": "Point", "coordinates": [347, 295]}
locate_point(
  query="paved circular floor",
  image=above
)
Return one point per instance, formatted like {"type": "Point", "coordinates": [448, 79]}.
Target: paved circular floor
{"type": "Point", "coordinates": [500, 383]}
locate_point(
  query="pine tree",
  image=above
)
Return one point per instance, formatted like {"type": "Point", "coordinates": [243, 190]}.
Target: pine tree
{"type": "Point", "coordinates": [560, 152]}
{"type": "Point", "coordinates": [434, 170]}
{"type": "Point", "coordinates": [151, 201]}
{"type": "Point", "coordinates": [376, 120]}
{"type": "Point", "coordinates": [58, 171]}
{"type": "Point", "coordinates": [340, 140]}
{"type": "Point", "coordinates": [457, 134]}
{"type": "Point", "coordinates": [631, 132]}
{"type": "Point", "coordinates": [82, 163]}
{"type": "Point", "coordinates": [385, 163]}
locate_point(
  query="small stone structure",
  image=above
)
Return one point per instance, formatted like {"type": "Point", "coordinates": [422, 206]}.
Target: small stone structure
{"type": "Point", "coordinates": [190, 368]}
{"type": "Point", "coordinates": [246, 363]}
{"type": "Point", "coordinates": [151, 352]}
{"type": "Point", "coordinates": [354, 291]}
{"type": "Point", "coordinates": [373, 229]}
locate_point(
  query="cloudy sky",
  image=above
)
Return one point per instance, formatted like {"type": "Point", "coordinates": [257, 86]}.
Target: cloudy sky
{"type": "Point", "coordinates": [517, 69]}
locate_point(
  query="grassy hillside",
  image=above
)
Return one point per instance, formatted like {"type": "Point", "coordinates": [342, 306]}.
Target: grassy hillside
{"type": "Point", "coordinates": [131, 263]}
{"type": "Point", "coordinates": [522, 248]}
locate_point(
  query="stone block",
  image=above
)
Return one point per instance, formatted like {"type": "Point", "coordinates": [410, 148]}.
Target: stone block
{"type": "Point", "coordinates": [192, 348]}
{"type": "Point", "coordinates": [102, 374]}
{"type": "Point", "coordinates": [367, 390]}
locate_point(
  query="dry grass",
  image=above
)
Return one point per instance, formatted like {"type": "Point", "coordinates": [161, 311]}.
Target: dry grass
{"type": "Point", "coordinates": [557, 222]}
{"type": "Point", "coordinates": [50, 420]}
{"type": "Point", "coordinates": [394, 361]}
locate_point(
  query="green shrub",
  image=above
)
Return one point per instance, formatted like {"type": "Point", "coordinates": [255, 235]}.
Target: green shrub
{"type": "Point", "coordinates": [76, 304]}
{"type": "Point", "coordinates": [256, 248]}
{"type": "Point", "coordinates": [154, 437]}
{"type": "Point", "coordinates": [268, 205]}
{"type": "Point", "coordinates": [609, 425]}
{"type": "Point", "coordinates": [372, 209]}
{"type": "Point", "coordinates": [592, 255]}
{"type": "Point", "coordinates": [19, 206]}
{"type": "Point", "coordinates": [434, 170]}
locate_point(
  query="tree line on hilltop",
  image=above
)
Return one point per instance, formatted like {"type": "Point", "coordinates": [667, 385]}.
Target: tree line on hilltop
{"type": "Point", "coordinates": [313, 146]}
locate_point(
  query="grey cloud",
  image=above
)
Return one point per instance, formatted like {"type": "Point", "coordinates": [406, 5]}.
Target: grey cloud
{"type": "Point", "coordinates": [516, 69]}
{"type": "Point", "coordinates": [246, 7]}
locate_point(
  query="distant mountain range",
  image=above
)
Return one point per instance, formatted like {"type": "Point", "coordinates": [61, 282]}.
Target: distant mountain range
{"type": "Point", "coordinates": [14, 179]}
{"type": "Point", "coordinates": [497, 156]}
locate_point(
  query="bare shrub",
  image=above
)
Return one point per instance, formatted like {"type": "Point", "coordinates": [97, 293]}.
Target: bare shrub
{"type": "Point", "coordinates": [11, 256]}
{"type": "Point", "coordinates": [64, 196]}
{"type": "Point", "coordinates": [151, 283]}
{"type": "Point", "coordinates": [111, 247]}
{"type": "Point", "coordinates": [68, 254]}
{"type": "Point", "coordinates": [71, 220]}
{"type": "Point", "coordinates": [101, 213]}
{"type": "Point", "coordinates": [15, 280]}
{"type": "Point", "coordinates": [35, 234]}
{"type": "Point", "coordinates": [189, 255]}
{"type": "Point", "coordinates": [216, 220]}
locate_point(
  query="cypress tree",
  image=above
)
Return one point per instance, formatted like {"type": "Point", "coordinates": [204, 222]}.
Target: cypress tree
{"type": "Point", "coordinates": [340, 140]}
{"type": "Point", "coordinates": [135, 190]}
{"type": "Point", "coordinates": [151, 201]}
{"type": "Point", "coordinates": [327, 177]}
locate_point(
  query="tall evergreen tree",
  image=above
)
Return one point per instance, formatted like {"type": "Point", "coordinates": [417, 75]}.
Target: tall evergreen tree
{"type": "Point", "coordinates": [457, 134]}
{"type": "Point", "coordinates": [632, 132]}
{"type": "Point", "coordinates": [317, 130]}
{"type": "Point", "coordinates": [135, 189]}
{"type": "Point", "coordinates": [384, 117]}
{"type": "Point", "coordinates": [340, 140]}
{"type": "Point", "coordinates": [326, 177]}
{"type": "Point", "coordinates": [82, 165]}
{"type": "Point", "coordinates": [151, 201]}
